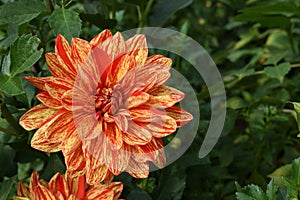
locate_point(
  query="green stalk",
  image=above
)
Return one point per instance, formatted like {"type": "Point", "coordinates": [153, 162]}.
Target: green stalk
{"type": "Point", "coordinates": [11, 120]}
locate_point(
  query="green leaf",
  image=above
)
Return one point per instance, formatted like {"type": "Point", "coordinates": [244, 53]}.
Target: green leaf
{"type": "Point", "coordinates": [271, 190]}
{"type": "Point", "coordinates": [6, 187]}
{"type": "Point", "coordinates": [275, 58]}
{"type": "Point", "coordinates": [279, 42]}
{"type": "Point", "coordinates": [23, 54]}
{"type": "Point", "coordinates": [246, 38]}
{"type": "Point", "coordinates": [12, 36]}
{"type": "Point", "coordinates": [138, 194]}
{"type": "Point", "coordinates": [173, 177]}
{"type": "Point", "coordinates": [65, 22]}
{"type": "Point", "coordinates": [275, 15]}
{"type": "Point", "coordinates": [297, 109]}
{"type": "Point", "coordinates": [55, 164]}
{"type": "Point", "coordinates": [251, 192]}
{"type": "Point", "coordinates": [163, 10]}
{"type": "Point", "coordinates": [20, 12]}
{"type": "Point", "coordinates": [278, 71]}
{"type": "Point", "coordinates": [236, 103]}
{"type": "Point", "coordinates": [7, 155]}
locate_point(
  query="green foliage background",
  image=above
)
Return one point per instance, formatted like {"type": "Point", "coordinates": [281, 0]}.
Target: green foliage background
{"type": "Point", "coordinates": [256, 47]}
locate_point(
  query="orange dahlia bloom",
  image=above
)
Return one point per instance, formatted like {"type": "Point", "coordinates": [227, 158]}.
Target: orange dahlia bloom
{"type": "Point", "coordinates": [66, 188]}
{"type": "Point", "coordinates": [106, 106]}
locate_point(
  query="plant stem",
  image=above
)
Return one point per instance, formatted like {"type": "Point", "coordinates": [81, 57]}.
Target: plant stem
{"type": "Point", "coordinates": [143, 16]}
{"type": "Point", "coordinates": [10, 119]}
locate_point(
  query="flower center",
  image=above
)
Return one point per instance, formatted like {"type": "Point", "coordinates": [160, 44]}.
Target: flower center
{"type": "Point", "coordinates": [107, 103]}
{"type": "Point", "coordinates": [103, 98]}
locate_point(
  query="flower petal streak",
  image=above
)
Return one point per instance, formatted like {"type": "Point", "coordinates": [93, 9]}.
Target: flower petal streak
{"type": "Point", "coordinates": [164, 96]}
{"type": "Point", "coordinates": [36, 117]}
{"type": "Point", "coordinates": [181, 116]}
{"type": "Point", "coordinates": [137, 47]}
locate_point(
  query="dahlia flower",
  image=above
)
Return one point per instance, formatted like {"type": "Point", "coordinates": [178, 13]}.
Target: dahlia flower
{"type": "Point", "coordinates": [66, 188]}
{"type": "Point", "coordinates": [106, 106]}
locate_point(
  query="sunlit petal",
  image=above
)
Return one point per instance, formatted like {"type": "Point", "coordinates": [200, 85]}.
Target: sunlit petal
{"type": "Point", "coordinates": [36, 117]}
{"type": "Point", "coordinates": [48, 100]}
{"type": "Point", "coordinates": [164, 96]}
{"type": "Point", "coordinates": [137, 47]}
{"type": "Point", "coordinates": [138, 170]}
{"type": "Point", "coordinates": [181, 116]}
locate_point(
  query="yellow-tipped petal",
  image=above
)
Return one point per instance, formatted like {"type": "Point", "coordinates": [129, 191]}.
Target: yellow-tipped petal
{"type": "Point", "coordinates": [117, 187]}
{"type": "Point", "coordinates": [39, 82]}
{"type": "Point", "coordinates": [181, 116]}
{"type": "Point", "coordinates": [96, 175]}
{"type": "Point", "coordinates": [58, 68]}
{"type": "Point", "coordinates": [114, 46]}
{"type": "Point", "coordinates": [137, 47]}
{"type": "Point", "coordinates": [161, 126]}
{"type": "Point", "coordinates": [42, 193]}
{"type": "Point", "coordinates": [136, 99]}
{"type": "Point", "coordinates": [47, 100]}
{"type": "Point", "coordinates": [100, 192]}
{"type": "Point", "coordinates": [100, 38]}
{"type": "Point", "coordinates": [138, 170]}
{"type": "Point", "coordinates": [23, 190]}
{"type": "Point", "coordinates": [136, 134]}
{"type": "Point", "coordinates": [49, 137]}
{"type": "Point", "coordinates": [164, 96]}
{"type": "Point", "coordinates": [160, 61]}
{"type": "Point", "coordinates": [58, 87]}
{"type": "Point", "coordinates": [80, 49]}
{"type": "Point", "coordinates": [59, 184]}
{"type": "Point", "coordinates": [36, 117]}
{"type": "Point", "coordinates": [63, 50]}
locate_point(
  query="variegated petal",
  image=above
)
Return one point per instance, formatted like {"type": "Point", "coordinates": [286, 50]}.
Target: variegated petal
{"type": "Point", "coordinates": [36, 117]}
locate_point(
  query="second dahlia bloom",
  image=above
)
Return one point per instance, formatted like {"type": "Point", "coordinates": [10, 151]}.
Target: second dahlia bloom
{"type": "Point", "coordinates": [106, 106]}
{"type": "Point", "coordinates": [66, 188]}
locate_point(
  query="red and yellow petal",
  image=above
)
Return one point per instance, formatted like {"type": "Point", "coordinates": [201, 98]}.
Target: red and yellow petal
{"type": "Point", "coordinates": [58, 68]}
{"type": "Point", "coordinates": [137, 48]}
{"type": "Point", "coordinates": [41, 193]}
{"type": "Point", "coordinates": [49, 137]}
{"type": "Point", "coordinates": [138, 170]}
{"type": "Point", "coordinates": [136, 134]}
{"type": "Point", "coordinates": [99, 192]}
{"type": "Point", "coordinates": [181, 116]}
{"type": "Point", "coordinates": [117, 187]}
{"type": "Point", "coordinates": [147, 152]}
{"type": "Point", "coordinates": [114, 136]}
{"type": "Point", "coordinates": [77, 185]}
{"type": "Point", "coordinates": [59, 184]}
{"type": "Point", "coordinates": [75, 162]}
{"type": "Point", "coordinates": [37, 116]}
{"type": "Point", "coordinates": [48, 100]}
{"type": "Point", "coordinates": [161, 126]}
{"type": "Point", "coordinates": [164, 96]}
{"type": "Point", "coordinates": [159, 61]}
{"type": "Point", "coordinates": [63, 50]}
{"type": "Point", "coordinates": [114, 46]}
{"type": "Point", "coordinates": [117, 69]}
{"type": "Point", "coordinates": [39, 82]}
{"type": "Point", "coordinates": [96, 175]}
{"type": "Point", "coordinates": [58, 87]}
{"type": "Point", "coordinates": [23, 190]}
{"type": "Point", "coordinates": [100, 38]}
{"type": "Point", "coordinates": [136, 99]}
{"type": "Point", "coordinates": [80, 49]}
